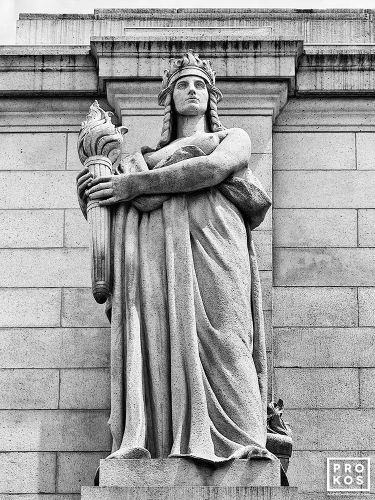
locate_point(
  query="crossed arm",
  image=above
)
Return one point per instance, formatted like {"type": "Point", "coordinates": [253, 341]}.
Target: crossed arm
{"type": "Point", "coordinates": [193, 174]}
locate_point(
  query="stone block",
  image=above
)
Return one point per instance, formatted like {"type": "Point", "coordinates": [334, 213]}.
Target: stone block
{"type": "Point", "coordinates": [266, 284]}
{"type": "Point", "coordinates": [31, 228]}
{"type": "Point", "coordinates": [315, 228]}
{"type": "Point", "coordinates": [366, 301]}
{"type": "Point", "coordinates": [27, 473]}
{"type": "Point", "coordinates": [80, 309]}
{"type": "Point", "coordinates": [86, 389]}
{"type": "Point", "coordinates": [29, 389]}
{"type": "Point", "coordinates": [367, 394]}
{"type": "Point", "coordinates": [307, 189]}
{"type": "Point", "coordinates": [318, 387]}
{"type": "Point", "coordinates": [72, 161]}
{"type": "Point", "coordinates": [33, 151]}
{"type": "Point", "coordinates": [75, 470]}
{"type": "Point", "coordinates": [76, 229]}
{"type": "Point", "coordinates": [263, 247]}
{"type": "Point", "coordinates": [28, 190]}
{"type": "Point", "coordinates": [320, 306]}
{"type": "Point", "coordinates": [366, 224]}
{"type": "Point", "coordinates": [191, 492]}
{"type": "Point", "coordinates": [30, 307]}
{"type": "Point", "coordinates": [319, 347]}
{"type": "Point", "coordinates": [54, 430]}
{"type": "Point", "coordinates": [366, 151]}
{"type": "Point", "coordinates": [181, 472]}
{"type": "Point", "coordinates": [52, 267]}
{"type": "Point", "coordinates": [54, 347]}
{"type": "Point", "coordinates": [326, 151]}
{"type": "Point", "coordinates": [324, 266]}
{"type": "Point", "coordinates": [331, 429]}
{"type": "Point", "coordinates": [259, 129]}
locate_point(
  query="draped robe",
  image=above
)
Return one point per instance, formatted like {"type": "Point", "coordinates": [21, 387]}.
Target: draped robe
{"type": "Point", "coordinates": [187, 339]}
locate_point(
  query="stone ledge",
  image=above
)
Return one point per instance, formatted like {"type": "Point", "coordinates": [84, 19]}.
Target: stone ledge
{"type": "Point", "coordinates": [182, 472]}
{"type": "Point", "coordinates": [190, 493]}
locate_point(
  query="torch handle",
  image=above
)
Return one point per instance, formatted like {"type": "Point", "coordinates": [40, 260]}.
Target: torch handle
{"type": "Point", "coordinates": [99, 219]}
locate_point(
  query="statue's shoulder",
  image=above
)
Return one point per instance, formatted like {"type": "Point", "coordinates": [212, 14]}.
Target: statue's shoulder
{"type": "Point", "coordinates": [238, 133]}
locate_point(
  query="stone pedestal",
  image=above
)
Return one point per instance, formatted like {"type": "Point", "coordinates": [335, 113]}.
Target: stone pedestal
{"type": "Point", "coordinates": [181, 479]}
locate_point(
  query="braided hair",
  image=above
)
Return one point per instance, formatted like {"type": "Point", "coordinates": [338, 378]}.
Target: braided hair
{"type": "Point", "coordinates": [167, 132]}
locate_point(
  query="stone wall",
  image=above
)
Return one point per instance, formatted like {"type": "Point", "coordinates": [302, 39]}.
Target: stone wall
{"type": "Point", "coordinates": [54, 339]}
{"type": "Point", "coordinates": [324, 268]}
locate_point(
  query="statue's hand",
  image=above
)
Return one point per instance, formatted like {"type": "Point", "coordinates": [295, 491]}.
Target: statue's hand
{"type": "Point", "coordinates": [111, 190]}
{"type": "Point", "coordinates": [83, 179]}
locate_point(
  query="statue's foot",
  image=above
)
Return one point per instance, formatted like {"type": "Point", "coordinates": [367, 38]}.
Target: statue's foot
{"type": "Point", "coordinates": [130, 453]}
{"type": "Point", "coordinates": [260, 454]}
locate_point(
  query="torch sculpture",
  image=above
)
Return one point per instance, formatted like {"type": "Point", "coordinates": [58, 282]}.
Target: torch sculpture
{"type": "Point", "coordinates": [99, 149]}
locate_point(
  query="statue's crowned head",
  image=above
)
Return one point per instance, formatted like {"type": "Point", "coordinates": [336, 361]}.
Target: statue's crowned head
{"type": "Point", "coordinates": [188, 65]}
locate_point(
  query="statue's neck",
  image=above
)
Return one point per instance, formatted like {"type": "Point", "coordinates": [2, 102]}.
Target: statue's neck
{"type": "Point", "coordinates": [190, 125]}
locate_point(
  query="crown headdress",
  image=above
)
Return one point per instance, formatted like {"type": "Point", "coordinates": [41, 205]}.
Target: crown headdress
{"type": "Point", "coordinates": [188, 64]}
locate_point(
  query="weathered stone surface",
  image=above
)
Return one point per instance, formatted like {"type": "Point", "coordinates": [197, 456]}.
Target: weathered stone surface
{"type": "Point", "coordinates": [38, 151]}
{"type": "Point", "coordinates": [29, 389]}
{"type": "Point", "coordinates": [366, 298]}
{"type": "Point", "coordinates": [331, 189]}
{"type": "Point", "coordinates": [324, 266]}
{"type": "Point", "coordinates": [80, 309]}
{"type": "Point", "coordinates": [27, 473]}
{"type": "Point", "coordinates": [365, 151]}
{"type": "Point", "coordinates": [187, 493]}
{"type": "Point", "coordinates": [28, 190]}
{"type": "Point", "coordinates": [88, 388]}
{"type": "Point", "coordinates": [54, 347]}
{"type": "Point", "coordinates": [30, 307]}
{"type": "Point", "coordinates": [263, 246]}
{"type": "Point", "coordinates": [332, 347]}
{"type": "Point", "coordinates": [331, 114]}
{"type": "Point", "coordinates": [53, 267]}
{"type": "Point", "coordinates": [31, 228]}
{"type": "Point", "coordinates": [318, 387]}
{"type": "Point", "coordinates": [261, 166]}
{"type": "Point", "coordinates": [72, 159]}
{"type": "Point", "coordinates": [315, 228]}
{"type": "Point", "coordinates": [181, 472]}
{"type": "Point", "coordinates": [76, 229]}
{"type": "Point", "coordinates": [75, 470]}
{"type": "Point", "coordinates": [366, 224]}
{"type": "Point", "coordinates": [367, 394]}
{"type": "Point", "coordinates": [333, 429]}
{"type": "Point", "coordinates": [308, 469]}
{"type": "Point", "coordinates": [266, 284]}
{"type": "Point", "coordinates": [327, 151]}
{"type": "Point", "coordinates": [52, 496]}
{"type": "Point", "coordinates": [54, 430]}
{"type": "Point", "coordinates": [319, 306]}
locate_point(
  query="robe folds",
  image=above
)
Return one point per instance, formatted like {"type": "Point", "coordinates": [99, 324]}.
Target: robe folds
{"type": "Point", "coordinates": [188, 363]}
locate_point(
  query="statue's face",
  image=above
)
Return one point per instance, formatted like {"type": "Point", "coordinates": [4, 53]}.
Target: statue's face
{"type": "Point", "coordinates": [190, 96]}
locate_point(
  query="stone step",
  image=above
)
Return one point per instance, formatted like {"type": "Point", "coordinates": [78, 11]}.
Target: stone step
{"type": "Point", "coordinates": [189, 493]}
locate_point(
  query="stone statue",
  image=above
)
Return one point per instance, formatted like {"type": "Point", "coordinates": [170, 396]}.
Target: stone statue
{"type": "Point", "coordinates": [188, 361]}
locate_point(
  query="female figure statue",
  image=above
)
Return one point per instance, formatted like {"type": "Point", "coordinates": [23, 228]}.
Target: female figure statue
{"type": "Point", "coordinates": [188, 352]}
